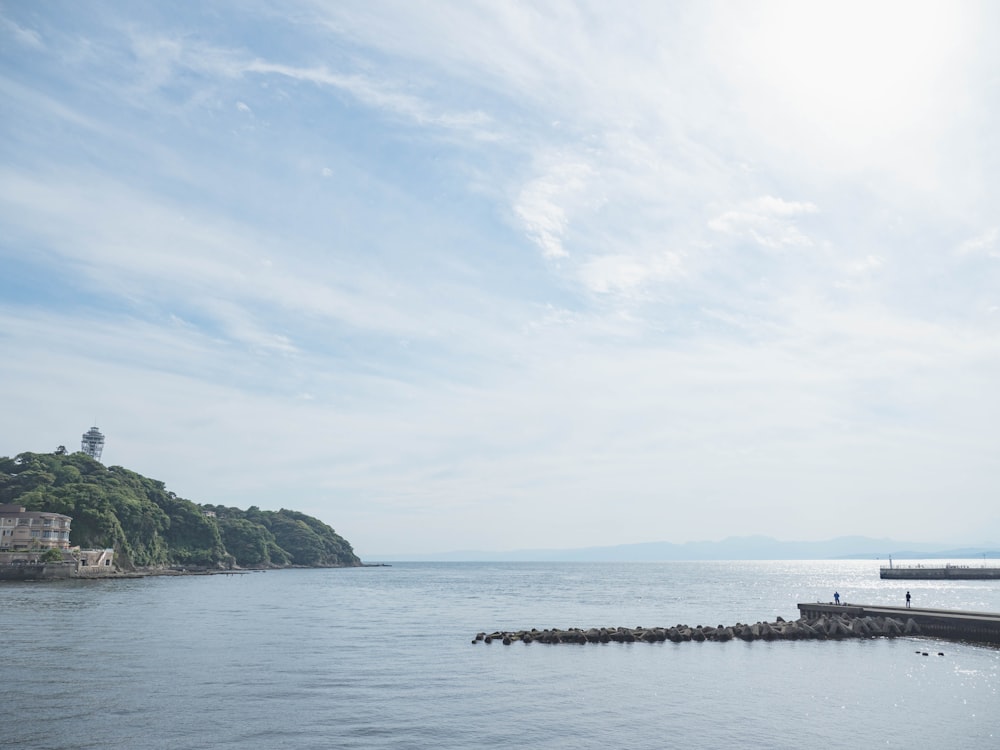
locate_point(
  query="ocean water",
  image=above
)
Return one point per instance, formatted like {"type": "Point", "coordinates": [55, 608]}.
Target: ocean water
{"type": "Point", "coordinates": [382, 658]}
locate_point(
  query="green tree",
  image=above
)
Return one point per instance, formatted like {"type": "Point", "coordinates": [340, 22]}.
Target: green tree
{"type": "Point", "coordinates": [148, 525]}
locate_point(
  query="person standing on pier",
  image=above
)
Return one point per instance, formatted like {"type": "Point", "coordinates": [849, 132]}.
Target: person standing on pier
{"type": "Point", "coordinates": [907, 599]}
{"type": "Point", "coordinates": [836, 597]}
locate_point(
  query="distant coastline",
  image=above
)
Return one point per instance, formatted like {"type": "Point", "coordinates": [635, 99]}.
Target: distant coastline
{"type": "Point", "coordinates": [732, 548]}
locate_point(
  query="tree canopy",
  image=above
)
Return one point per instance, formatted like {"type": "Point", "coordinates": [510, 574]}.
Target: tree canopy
{"type": "Point", "coordinates": [147, 525]}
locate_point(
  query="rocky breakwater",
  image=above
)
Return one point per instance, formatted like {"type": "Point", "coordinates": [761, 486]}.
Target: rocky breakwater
{"type": "Point", "coordinates": [833, 627]}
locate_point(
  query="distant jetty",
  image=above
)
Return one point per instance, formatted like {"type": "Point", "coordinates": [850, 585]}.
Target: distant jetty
{"type": "Point", "coordinates": [816, 622]}
{"type": "Point", "coordinates": [945, 572]}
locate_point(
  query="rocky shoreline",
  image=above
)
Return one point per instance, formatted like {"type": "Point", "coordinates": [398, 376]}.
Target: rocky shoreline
{"type": "Point", "coordinates": [67, 571]}
{"type": "Point", "coordinates": [834, 627]}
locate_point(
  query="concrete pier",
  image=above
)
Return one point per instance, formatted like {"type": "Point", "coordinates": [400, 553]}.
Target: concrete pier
{"type": "Point", "coordinates": [953, 624]}
{"type": "Point", "coordinates": [947, 573]}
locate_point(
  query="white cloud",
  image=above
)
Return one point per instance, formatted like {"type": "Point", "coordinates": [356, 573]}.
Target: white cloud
{"type": "Point", "coordinates": [867, 265]}
{"type": "Point", "coordinates": [127, 244]}
{"type": "Point", "coordinates": [861, 273]}
{"type": "Point", "coordinates": [625, 274]}
{"type": "Point", "coordinates": [164, 60]}
{"type": "Point", "coordinates": [51, 106]}
{"type": "Point", "coordinates": [545, 205]}
{"type": "Point", "coordinates": [982, 244]}
{"type": "Point", "coordinates": [767, 221]}
{"type": "Point", "coordinates": [768, 205]}
{"type": "Point", "coordinates": [25, 37]}
{"type": "Point", "coordinates": [380, 95]}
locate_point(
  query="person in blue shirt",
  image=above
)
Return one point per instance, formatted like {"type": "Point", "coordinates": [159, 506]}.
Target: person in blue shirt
{"type": "Point", "coordinates": [836, 597]}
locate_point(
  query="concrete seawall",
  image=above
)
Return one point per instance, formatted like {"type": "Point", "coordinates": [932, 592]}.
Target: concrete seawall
{"type": "Point", "coordinates": [953, 624]}
{"type": "Point", "coordinates": [37, 571]}
{"type": "Point", "coordinates": [53, 571]}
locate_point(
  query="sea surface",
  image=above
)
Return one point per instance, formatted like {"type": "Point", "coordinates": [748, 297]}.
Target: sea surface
{"type": "Point", "coordinates": [381, 657]}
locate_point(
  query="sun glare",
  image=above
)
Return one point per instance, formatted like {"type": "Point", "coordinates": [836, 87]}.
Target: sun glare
{"type": "Point", "coordinates": [853, 73]}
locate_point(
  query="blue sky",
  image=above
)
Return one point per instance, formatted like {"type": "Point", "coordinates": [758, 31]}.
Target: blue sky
{"type": "Point", "coordinates": [478, 275]}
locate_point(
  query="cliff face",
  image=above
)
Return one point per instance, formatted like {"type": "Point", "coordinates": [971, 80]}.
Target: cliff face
{"type": "Point", "coordinates": [149, 526]}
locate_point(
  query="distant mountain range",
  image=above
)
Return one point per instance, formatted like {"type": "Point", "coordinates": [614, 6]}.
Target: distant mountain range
{"type": "Point", "coordinates": [732, 548]}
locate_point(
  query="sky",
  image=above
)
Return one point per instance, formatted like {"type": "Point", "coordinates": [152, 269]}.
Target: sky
{"type": "Point", "coordinates": [512, 275]}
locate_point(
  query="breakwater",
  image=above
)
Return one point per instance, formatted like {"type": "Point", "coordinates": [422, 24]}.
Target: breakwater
{"type": "Point", "coordinates": [826, 626]}
{"type": "Point", "coordinates": [953, 624]}
{"type": "Point", "coordinates": [947, 573]}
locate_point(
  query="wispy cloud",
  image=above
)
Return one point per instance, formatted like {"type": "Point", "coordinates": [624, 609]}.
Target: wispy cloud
{"type": "Point", "coordinates": [24, 36]}
{"type": "Point", "coordinates": [164, 61]}
{"type": "Point", "coordinates": [376, 94]}
{"type": "Point", "coordinates": [982, 244]}
{"type": "Point", "coordinates": [24, 96]}
{"type": "Point", "coordinates": [628, 274]}
{"type": "Point", "coordinates": [767, 220]}
{"type": "Point", "coordinates": [546, 203]}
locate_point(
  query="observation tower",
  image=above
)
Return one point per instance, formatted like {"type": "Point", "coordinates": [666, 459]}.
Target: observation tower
{"type": "Point", "coordinates": [93, 443]}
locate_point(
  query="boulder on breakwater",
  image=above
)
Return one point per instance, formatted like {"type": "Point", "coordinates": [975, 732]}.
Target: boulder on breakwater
{"type": "Point", "coordinates": [834, 627]}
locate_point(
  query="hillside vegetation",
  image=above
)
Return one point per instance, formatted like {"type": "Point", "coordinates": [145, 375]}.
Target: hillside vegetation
{"type": "Point", "coordinates": [149, 526]}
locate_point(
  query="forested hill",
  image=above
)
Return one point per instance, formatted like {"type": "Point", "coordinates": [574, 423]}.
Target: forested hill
{"type": "Point", "coordinates": [149, 526]}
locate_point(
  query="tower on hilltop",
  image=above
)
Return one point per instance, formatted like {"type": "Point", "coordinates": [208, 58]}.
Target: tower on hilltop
{"type": "Point", "coordinates": [93, 443]}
